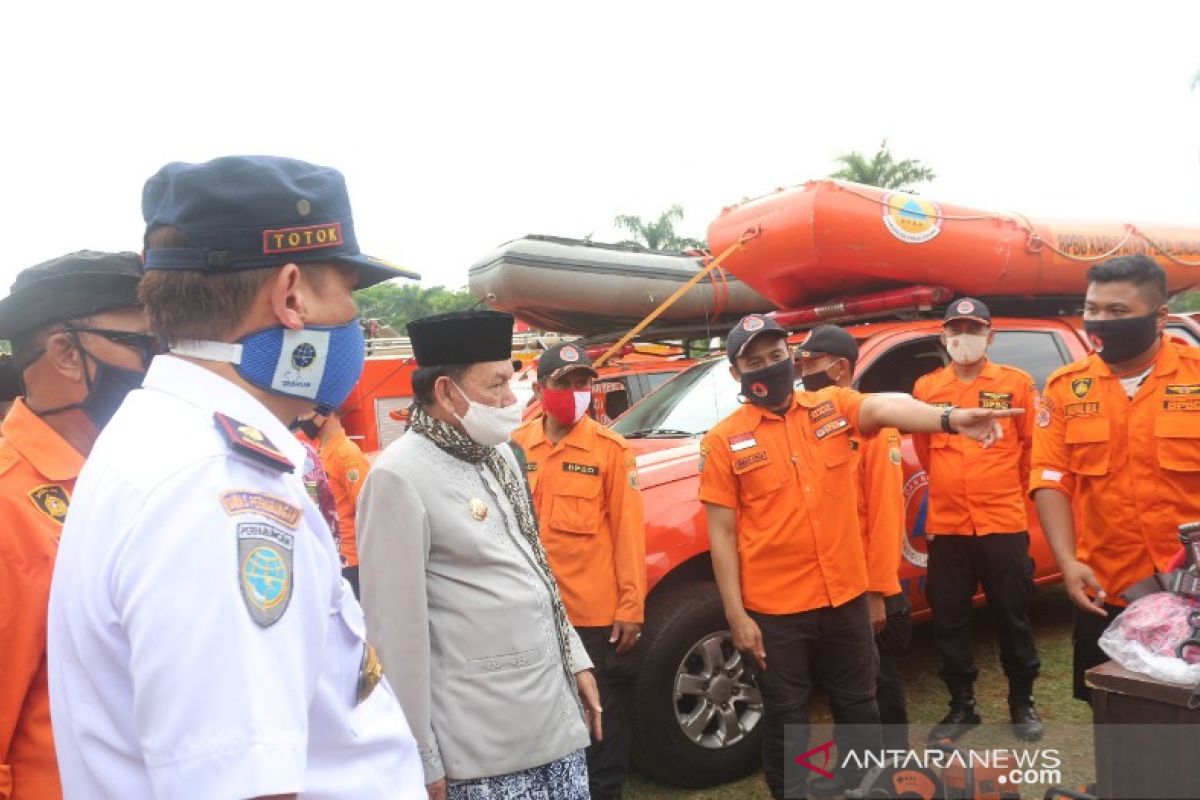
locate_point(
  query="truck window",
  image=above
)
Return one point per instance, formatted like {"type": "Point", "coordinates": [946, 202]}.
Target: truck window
{"type": "Point", "coordinates": [898, 369]}
{"type": "Point", "coordinates": [1037, 352]}
{"type": "Point", "coordinates": [657, 379]}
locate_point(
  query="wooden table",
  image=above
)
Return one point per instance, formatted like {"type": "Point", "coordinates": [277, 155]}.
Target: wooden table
{"type": "Point", "coordinates": [1146, 745]}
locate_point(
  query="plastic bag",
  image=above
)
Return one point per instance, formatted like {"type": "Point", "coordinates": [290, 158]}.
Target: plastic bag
{"type": "Point", "coordinates": [1145, 638]}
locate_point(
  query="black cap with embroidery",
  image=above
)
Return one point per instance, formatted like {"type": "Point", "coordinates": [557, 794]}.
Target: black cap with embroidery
{"type": "Point", "coordinates": [68, 288]}
{"type": "Point", "coordinates": [747, 330]}
{"type": "Point", "coordinates": [561, 359]}
{"type": "Point", "coordinates": [829, 340]}
{"type": "Point", "coordinates": [245, 212]}
{"type": "Point", "coordinates": [461, 337]}
{"type": "Point", "coordinates": [968, 308]}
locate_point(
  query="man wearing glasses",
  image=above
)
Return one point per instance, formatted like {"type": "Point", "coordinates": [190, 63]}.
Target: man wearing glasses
{"type": "Point", "coordinates": [80, 342]}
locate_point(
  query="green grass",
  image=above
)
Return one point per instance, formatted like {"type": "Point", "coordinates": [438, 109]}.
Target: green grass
{"type": "Point", "coordinates": [927, 698]}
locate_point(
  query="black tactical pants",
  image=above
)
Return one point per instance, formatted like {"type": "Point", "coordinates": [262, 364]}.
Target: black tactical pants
{"type": "Point", "coordinates": [1001, 563]}
{"type": "Point", "coordinates": [608, 760]}
{"type": "Point", "coordinates": [893, 642]}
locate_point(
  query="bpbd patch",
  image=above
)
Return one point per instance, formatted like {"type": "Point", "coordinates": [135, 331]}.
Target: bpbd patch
{"type": "Point", "coordinates": [265, 570]}
{"type": "Point", "coordinates": [52, 500]}
{"type": "Point", "coordinates": [995, 400]}
{"type": "Point", "coordinates": [581, 469]}
{"type": "Point", "coordinates": [1081, 386]}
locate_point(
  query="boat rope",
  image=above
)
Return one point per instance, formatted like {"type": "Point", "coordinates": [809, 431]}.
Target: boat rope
{"type": "Point", "coordinates": [1036, 241]}
{"type": "Point", "coordinates": [749, 234]}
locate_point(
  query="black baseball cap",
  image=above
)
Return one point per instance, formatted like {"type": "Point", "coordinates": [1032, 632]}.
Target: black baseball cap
{"type": "Point", "coordinates": [245, 212]}
{"type": "Point", "coordinates": [968, 308]}
{"type": "Point", "coordinates": [829, 340]}
{"type": "Point", "coordinates": [70, 287]}
{"type": "Point", "coordinates": [561, 359]}
{"type": "Point", "coordinates": [749, 328]}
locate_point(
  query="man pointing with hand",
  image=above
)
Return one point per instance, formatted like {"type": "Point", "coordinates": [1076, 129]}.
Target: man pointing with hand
{"type": "Point", "coordinates": [779, 492]}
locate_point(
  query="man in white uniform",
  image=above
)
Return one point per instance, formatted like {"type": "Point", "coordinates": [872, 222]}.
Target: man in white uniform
{"type": "Point", "coordinates": [202, 642]}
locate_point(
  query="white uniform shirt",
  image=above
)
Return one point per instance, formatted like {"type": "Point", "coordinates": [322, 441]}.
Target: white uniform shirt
{"type": "Point", "coordinates": [202, 642]}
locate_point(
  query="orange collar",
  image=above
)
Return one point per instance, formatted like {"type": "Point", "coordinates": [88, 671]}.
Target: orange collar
{"type": "Point", "coordinates": [582, 435]}
{"type": "Point", "coordinates": [39, 444]}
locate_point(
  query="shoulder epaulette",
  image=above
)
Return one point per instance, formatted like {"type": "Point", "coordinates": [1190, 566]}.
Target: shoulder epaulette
{"type": "Point", "coordinates": [250, 442]}
{"type": "Point", "coordinates": [1068, 369]}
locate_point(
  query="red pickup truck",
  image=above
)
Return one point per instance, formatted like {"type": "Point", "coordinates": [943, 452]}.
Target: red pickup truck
{"type": "Point", "coordinates": [698, 708]}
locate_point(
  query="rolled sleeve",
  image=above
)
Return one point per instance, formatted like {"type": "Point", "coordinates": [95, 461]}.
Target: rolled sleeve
{"type": "Point", "coordinates": [718, 484]}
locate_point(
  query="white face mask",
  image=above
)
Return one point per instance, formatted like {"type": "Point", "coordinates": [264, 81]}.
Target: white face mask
{"type": "Point", "coordinates": [966, 348]}
{"type": "Point", "coordinates": [488, 425]}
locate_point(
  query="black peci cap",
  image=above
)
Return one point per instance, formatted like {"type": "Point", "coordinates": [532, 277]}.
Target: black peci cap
{"type": "Point", "coordinates": [70, 287]}
{"type": "Point", "coordinates": [461, 337]}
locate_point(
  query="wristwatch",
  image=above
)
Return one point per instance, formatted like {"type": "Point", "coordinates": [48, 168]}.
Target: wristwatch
{"type": "Point", "coordinates": [946, 420]}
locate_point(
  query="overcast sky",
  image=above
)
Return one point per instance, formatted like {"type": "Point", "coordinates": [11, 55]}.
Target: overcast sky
{"type": "Point", "coordinates": [460, 126]}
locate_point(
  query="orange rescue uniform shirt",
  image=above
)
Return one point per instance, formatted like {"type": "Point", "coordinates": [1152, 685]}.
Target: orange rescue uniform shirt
{"type": "Point", "coordinates": [791, 483]}
{"type": "Point", "coordinates": [880, 483]}
{"type": "Point", "coordinates": [973, 491]}
{"type": "Point", "coordinates": [38, 469]}
{"type": "Point", "coordinates": [1131, 468]}
{"type": "Point", "coordinates": [589, 509]}
{"type": "Point", "coordinates": [346, 467]}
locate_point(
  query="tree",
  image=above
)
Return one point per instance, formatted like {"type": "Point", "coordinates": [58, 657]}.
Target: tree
{"type": "Point", "coordinates": [883, 170]}
{"type": "Point", "coordinates": [399, 305]}
{"type": "Point", "coordinates": [657, 235]}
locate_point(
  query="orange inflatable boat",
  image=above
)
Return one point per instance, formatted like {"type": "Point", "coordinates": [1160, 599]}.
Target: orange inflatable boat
{"type": "Point", "coordinates": [832, 239]}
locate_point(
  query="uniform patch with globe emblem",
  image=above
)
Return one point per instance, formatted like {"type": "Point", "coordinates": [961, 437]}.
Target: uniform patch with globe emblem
{"type": "Point", "coordinates": [265, 568]}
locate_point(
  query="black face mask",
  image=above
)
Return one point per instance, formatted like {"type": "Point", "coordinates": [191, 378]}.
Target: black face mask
{"type": "Point", "coordinates": [306, 426]}
{"type": "Point", "coordinates": [1119, 340]}
{"type": "Point", "coordinates": [105, 394]}
{"type": "Point", "coordinates": [816, 381]}
{"type": "Point", "coordinates": [771, 386]}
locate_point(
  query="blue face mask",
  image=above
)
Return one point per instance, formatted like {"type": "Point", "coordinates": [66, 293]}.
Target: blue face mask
{"type": "Point", "coordinates": [318, 363]}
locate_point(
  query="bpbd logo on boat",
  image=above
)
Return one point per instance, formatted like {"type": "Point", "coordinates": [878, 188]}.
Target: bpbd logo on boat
{"type": "Point", "coordinates": [910, 218]}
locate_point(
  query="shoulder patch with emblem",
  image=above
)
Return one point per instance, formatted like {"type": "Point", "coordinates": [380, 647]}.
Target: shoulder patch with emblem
{"type": "Point", "coordinates": [52, 500]}
{"type": "Point", "coordinates": [894, 455]}
{"type": "Point", "coordinates": [249, 441]}
{"type": "Point", "coordinates": [352, 475]}
{"type": "Point", "coordinates": [265, 570]}
{"type": "Point", "coordinates": [1081, 386]}
{"type": "Point", "coordinates": [239, 501]}
{"type": "Point", "coordinates": [704, 451]}
{"type": "Point", "coordinates": [1045, 409]}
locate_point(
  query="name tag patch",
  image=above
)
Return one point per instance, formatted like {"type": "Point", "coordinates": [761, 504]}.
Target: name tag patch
{"type": "Point", "coordinates": [995, 400]}
{"type": "Point", "coordinates": [1081, 409]}
{"type": "Point", "coordinates": [531, 466]}
{"type": "Point", "coordinates": [831, 427]}
{"type": "Point", "coordinates": [820, 412]}
{"type": "Point", "coordinates": [743, 441]}
{"type": "Point", "coordinates": [245, 502]}
{"type": "Point", "coordinates": [750, 460]}
{"type": "Point", "coordinates": [304, 237]}
{"type": "Point", "coordinates": [265, 570]}
{"type": "Point", "coordinates": [1182, 404]}
{"type": "Point", "coordinates": [581, 469]}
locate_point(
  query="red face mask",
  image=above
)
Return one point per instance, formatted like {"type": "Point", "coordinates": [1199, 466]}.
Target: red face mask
{"type": "Point", "coordinates": [566, 405]}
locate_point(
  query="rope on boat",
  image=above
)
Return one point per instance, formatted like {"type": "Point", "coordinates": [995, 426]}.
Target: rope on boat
{"type": "Point", "coordinates": [750, 233]}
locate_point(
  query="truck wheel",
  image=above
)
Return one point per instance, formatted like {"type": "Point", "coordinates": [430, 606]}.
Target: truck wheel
{"type": "Point", "coordinates": [697, 704]}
